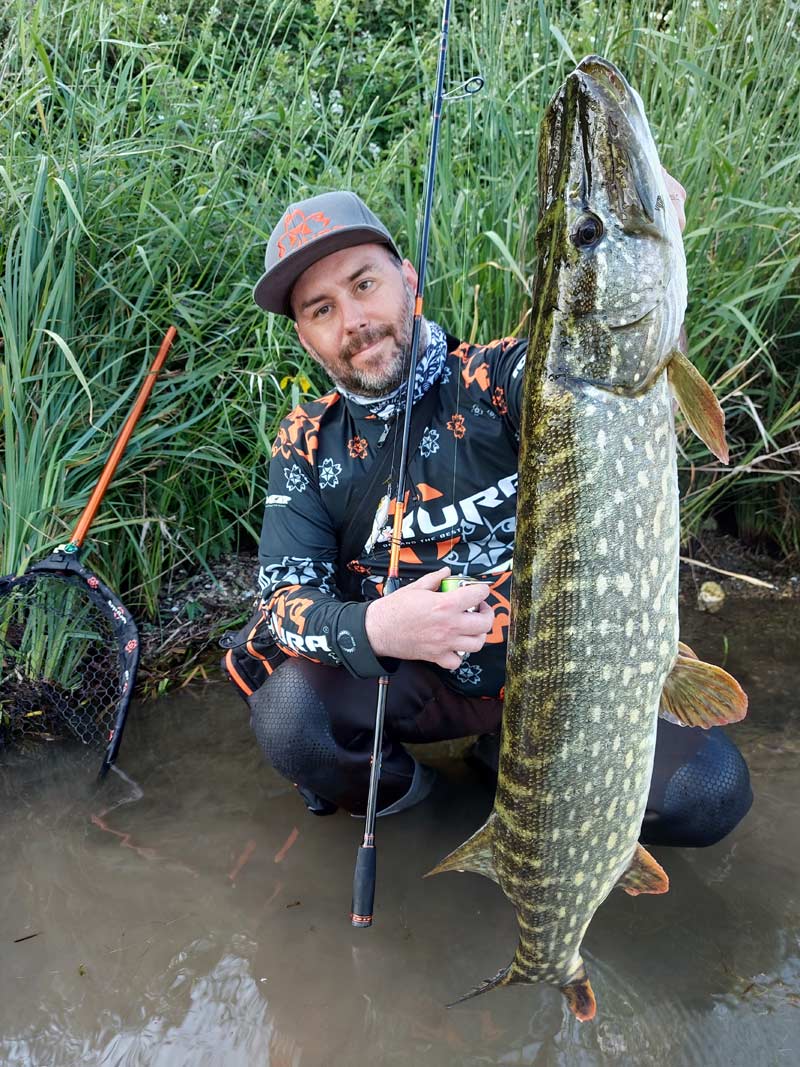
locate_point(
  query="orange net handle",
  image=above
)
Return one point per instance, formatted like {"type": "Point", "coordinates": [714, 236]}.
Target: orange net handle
{"type": "Point", "coordinates": [89, 512]}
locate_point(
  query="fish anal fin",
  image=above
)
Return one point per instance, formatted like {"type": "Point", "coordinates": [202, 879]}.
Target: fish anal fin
{"type": "Point", "coordinates": [580, 997]}
{"type": "Point", "coordinates": [644, 875]}
{"type": "Point", "coordinates": [699, 404]}
{"type": "Point", "coordinates": [474, 855]}
{"type": "Point", "coordinates": [701, 694]}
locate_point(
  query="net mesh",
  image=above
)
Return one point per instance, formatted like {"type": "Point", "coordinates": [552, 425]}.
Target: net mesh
{"type": "Point", "coordinates": [60, 671]}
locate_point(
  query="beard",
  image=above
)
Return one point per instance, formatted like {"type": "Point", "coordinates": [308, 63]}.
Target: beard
{"type": "Point", "coordinates": [386, 372]}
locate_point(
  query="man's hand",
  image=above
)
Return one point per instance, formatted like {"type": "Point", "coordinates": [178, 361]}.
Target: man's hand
{"type": "Point", "coordinates": [417, 622]}
{"type": "Point", "coordinates": [677, 197]}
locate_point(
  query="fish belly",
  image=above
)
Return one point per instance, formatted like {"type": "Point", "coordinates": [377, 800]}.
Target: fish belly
{"type": "Point", "coordinates": [593, 636]}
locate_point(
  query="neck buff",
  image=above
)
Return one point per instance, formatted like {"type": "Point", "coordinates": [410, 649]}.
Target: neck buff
{"type": "Point", "coordinates": [429, 369]}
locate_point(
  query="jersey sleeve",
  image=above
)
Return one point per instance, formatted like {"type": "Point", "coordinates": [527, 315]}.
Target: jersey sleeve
{"type": "Point", "coordinates": [297, 576]}
{"type": "Point", "coordinates": [507, 372]}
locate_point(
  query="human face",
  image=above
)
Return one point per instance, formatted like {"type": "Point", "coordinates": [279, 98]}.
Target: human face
{"type": "Point", "coordinates": [354, 312]}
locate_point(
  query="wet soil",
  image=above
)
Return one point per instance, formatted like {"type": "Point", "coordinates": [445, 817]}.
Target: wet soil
{"type": "Point", "coordinates": [190, 913]}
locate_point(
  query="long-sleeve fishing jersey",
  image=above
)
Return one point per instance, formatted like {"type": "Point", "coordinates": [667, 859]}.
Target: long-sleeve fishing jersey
{"type": "Point", "coordinates": [462, 485]}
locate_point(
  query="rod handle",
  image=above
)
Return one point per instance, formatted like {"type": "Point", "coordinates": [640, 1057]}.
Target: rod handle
{"type": "Point", "coordinates": [363, 887]}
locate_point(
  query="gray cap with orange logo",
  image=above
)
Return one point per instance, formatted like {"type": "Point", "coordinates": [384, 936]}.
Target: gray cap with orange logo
{"type": "Point", "coordinates": [308, 231]}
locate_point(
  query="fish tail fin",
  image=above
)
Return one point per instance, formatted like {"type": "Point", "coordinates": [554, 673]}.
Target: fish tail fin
{"type": "Point", "coordinates": [507, 976]}
{"type": "Point", "coordinates": [580, 996]}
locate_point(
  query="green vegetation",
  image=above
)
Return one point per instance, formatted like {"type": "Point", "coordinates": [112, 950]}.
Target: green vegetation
{"type": "Point", "coordinates": [148, 148]}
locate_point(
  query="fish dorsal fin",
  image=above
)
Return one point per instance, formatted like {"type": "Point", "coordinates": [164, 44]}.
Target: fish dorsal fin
{"type": "Point", "coordinates": [700, 694]}
{"type": "Point", "coordinates": [644, 875]}
{"type": "Point", "coordinates": [474, 855]}
{"type": "Point", "coordinates": [698, 403]}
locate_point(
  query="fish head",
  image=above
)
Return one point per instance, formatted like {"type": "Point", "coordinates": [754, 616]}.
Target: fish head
{"type": "Point", "coordinates": [611, 266]}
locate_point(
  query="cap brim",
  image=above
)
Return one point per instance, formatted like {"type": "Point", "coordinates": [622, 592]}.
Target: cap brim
{"type": "Point", "coordinates": [274, 288]}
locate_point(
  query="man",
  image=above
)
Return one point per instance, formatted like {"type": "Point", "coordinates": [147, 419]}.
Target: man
{"type": "Point", "coordinates": [333, 268]}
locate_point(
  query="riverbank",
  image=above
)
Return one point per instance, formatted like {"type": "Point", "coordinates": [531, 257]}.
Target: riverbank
{"type": "Point", "coordinates": [197, 608]}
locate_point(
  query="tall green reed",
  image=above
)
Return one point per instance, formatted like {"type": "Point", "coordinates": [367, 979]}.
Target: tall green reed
{"type": "Point", "coordinates": [148, 149]}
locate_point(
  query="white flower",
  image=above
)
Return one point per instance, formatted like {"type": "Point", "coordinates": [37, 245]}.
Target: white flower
{"type": "Point", "coordinates": [429, 445]}
{"type": "Point", "coordinates": [295, 480]}
{"type": "Point", "coordinates": [468, 674]}
{"type": "Point", "coordinates": [329, 474]}
{"type": "Point", "coordinates": [334, 102]}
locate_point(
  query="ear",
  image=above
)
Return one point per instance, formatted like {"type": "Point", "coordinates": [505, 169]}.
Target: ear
{"type": "Point", "coordinates": [409, 273]}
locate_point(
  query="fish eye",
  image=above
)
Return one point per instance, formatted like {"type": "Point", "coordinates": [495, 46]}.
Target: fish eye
{"type": "Point", "coordinates": [588, 232]}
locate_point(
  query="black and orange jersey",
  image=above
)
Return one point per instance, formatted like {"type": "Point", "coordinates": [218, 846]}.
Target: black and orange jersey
{"type": "Point", "coordinates": [462, 481]}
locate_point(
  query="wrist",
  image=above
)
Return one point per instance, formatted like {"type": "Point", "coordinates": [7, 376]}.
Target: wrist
{"type": "Point", "coordinates": [375, 629]}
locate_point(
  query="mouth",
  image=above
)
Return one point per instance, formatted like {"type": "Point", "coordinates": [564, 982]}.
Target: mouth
{"type": "Point", "coordinates": [608, 76]}
{"type": "Point", "coordinates": [368, 350]}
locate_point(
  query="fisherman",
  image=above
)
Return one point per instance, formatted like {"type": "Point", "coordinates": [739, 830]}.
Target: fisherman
{"type": "Point", "coordinates": [334, 269]}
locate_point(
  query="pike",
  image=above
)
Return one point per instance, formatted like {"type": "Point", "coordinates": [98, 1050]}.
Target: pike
{"type": "Point", "coordinates": [594, 655]}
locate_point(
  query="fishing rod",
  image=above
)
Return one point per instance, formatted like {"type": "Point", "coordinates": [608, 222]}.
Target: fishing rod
{"type": "Point", "coordinates": [364, 876]}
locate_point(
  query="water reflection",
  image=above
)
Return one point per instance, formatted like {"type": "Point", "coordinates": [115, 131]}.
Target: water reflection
{"type": "Point", "coordinates": [189, 912]}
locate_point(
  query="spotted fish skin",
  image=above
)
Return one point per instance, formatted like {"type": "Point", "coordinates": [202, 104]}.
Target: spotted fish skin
{"type": "Point", "coordinates": [594, 636]}
{"type": "Point", "coordinates": [594, 615]}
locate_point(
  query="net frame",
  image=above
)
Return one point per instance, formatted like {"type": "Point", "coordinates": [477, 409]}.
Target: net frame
{"type": "Point", "coordinates": [64, 563]}
{"type": "Point", "coordinates": [66, 566]}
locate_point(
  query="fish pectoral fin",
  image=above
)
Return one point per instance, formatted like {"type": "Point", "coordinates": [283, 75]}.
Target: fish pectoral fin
{"type": "Point", "coordinates": [699, 404]}
{"type": "Point", "coordinates": [474, 855]}
{"type": "Point", "coordinates": [644, 875]}
{"type": "Point", "coordinates": [700, 694]}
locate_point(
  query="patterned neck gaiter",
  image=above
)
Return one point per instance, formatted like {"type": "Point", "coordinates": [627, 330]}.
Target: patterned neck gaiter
{"type": "Point", "coordinates": [429, 369]}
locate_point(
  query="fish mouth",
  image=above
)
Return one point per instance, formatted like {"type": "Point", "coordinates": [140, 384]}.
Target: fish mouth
{"type": "Point", "coordinates": [612, 144]}
{"type": "Point", "coordinates": [607, 75]}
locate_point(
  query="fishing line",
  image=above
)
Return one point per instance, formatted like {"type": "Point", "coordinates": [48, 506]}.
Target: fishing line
{"type": "Point", "coordinates": [477, 83]}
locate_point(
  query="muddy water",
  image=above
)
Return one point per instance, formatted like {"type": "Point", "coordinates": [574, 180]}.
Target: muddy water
{"type": "Point", "coordinates": [190, 913]}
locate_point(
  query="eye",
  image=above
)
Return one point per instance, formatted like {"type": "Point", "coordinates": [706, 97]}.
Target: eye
{"type": "Point", "coordinates": [365, 285]}
{"type": "Point", "coordinates": [321, 311]}
{"type": "Point", "coordinates": [588, 232]}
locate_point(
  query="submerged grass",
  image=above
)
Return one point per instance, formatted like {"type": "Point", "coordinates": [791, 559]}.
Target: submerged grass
{"type": "Point", "coordinates": [147, 150]}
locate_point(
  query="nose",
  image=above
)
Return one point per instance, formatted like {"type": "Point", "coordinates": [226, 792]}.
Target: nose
{"type": "Point", "coordinates": [354, 316]}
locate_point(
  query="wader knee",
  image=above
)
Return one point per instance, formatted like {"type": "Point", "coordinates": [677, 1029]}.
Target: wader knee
{"type": "Point", "coordinates": [704, 799]}
{"type": "Point", "coordinates": [292, 727]}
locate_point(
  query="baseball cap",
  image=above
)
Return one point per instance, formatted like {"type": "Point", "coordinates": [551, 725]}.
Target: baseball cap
{"type": "Point", "coordinates": [308, 231]}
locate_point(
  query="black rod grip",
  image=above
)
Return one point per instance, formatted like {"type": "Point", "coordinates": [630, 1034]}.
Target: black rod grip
{"type": "Point", "coordinates": [363, 887]}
